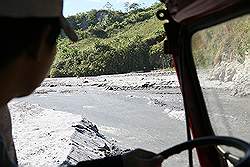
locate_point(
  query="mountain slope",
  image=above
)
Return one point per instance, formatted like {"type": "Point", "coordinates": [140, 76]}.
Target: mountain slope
{"type": "Point", "coordinates": [112, 42]}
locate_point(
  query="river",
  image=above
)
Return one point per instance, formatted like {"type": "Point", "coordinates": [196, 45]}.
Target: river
{"type": "Point", "coordinates": [145, 112]}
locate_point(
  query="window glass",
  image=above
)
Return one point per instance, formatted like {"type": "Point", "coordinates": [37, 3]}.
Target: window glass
{"type": "Point", "coordinates": [221, 55]}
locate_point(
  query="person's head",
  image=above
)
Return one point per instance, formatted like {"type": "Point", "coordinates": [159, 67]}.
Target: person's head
{"type": "Point", "coordinates": [27, 49]}
{"type": "Point", "coordinates": [28, 42]}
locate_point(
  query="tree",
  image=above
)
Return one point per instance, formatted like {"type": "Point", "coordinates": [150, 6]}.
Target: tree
{"type": "Point", "coordinates": [108, 5]}
{"type": "Point", "coordinates": [126, 6]}
{"type": "Point", "coordinates": [134, 6]}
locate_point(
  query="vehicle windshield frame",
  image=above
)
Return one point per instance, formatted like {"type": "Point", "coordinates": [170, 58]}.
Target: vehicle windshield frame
{"type": "Point", "coordinates": [194, 103]}
{"type": "Point", "coordinates": [191, 28]}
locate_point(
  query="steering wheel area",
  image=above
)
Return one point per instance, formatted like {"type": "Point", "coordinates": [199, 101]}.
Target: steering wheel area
{"type": "Point", "coordinates": [212, 141]}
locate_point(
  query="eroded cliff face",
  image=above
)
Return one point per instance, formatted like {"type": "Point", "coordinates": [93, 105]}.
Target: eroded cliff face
{"type": "Point", "coordinates": [88, 144]}
{"type": "Point", "coordinates": [235, 72]}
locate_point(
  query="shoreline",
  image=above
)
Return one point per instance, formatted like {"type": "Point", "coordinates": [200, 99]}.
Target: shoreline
{"type": "Point", "coordinates": [155, 88]}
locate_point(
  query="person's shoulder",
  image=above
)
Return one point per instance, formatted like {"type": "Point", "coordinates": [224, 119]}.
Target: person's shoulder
{"type": "Point", "coordinates": [4, 158]}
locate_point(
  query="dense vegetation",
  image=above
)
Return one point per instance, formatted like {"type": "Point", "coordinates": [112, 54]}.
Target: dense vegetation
{"type": "Point", "coordinates": [112, 42]}
{"type": "Point", "coordinates": [228, 41]}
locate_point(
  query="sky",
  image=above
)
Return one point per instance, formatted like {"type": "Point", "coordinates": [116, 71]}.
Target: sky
{"type": "Point", "coordinates": [72, 7]}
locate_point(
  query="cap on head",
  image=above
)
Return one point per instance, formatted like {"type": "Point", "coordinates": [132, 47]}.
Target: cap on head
{"type": "Point", "coordinates": [37, 8]}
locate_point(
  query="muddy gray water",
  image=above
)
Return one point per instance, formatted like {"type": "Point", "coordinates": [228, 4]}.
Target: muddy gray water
{"type": "Point", "coordinates": [229, 115]}
{"type": "Point", "coordinates": [134, 119]}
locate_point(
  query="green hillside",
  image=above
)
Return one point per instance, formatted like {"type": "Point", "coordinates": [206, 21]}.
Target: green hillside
{"type": "Point", "coordinates": [228, 41]}
{"type": "Point", "coordinates": [112, 42]}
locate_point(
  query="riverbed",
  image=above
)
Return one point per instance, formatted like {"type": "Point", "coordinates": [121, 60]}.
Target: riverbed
{"type": "Point", "coordinates": [135, 110]}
